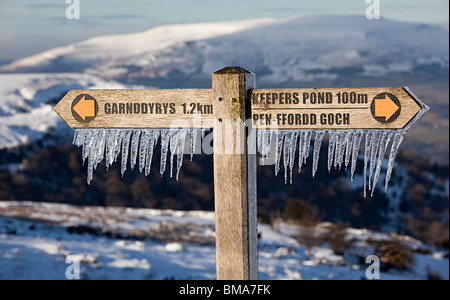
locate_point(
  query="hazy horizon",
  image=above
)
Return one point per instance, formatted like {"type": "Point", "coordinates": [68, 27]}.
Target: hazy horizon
{"type": "Point", "coordinates": [29, 27]}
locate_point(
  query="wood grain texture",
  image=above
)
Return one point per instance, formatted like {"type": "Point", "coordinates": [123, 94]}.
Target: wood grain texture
{"type": "Point", "coordinates": [250, 83]}
{"type": "Point", "coordinates": [359, 114]}
{"type": "Point", "coordinates": [230, 176]}
{"type": "Point", "coordinates": [171, 113]}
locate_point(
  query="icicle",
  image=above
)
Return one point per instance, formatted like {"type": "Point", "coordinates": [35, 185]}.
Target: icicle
{"type": "Point", "coordinates": [90, 146]}
{"type": "Point", "coordinates": [267, 144]}
{"type": "Point", "coordinates": [134, 147]}
{"type": "Point", "coordinates": [95, 150]}
{"type": "Point", "coordinates": [331, 146]}
{"type": "Point", "coordinates": [348, 147]}
{"type": "Point", "coordinates": [108, 143]}
{"type": "Point", "coordinates": [88, 140]}
{"type": "Point", "coordinates": [193, 133]}
{"type": "Point", "coordinates": [306, 144]}
{"type": "Point", "coordinates": [279, 148]}
{"type": "Point", "coordinates": [76, 132]}
{"type": "Point", "coordinates": [118, 143]}
{"type": "Point", "coordinates": [259, 134]}
{"type": "Point", "coordinates": [154, 135]}
{"type": "Point", "coordinates": [292, 148]}
{"type": "Point", "coordinates": [340, 149]}
{"type": "Point", "coordinates": [316, 152]}
{"type": "Point", "coordinates": [143, 148]}
{"type": "Point", "coordinates": [264, 144]}
{"type": "Point", "coordinates": [368, 145]}
{"type": "Point", "coordinates": [343, 148]}
{"type": "Point", "coordinates": [384, 141]}
{"type": "Point", "coordinates": [181, 141]}
{"type": "Point", "coordinates": [286, 154]}
{"type": "Point", "coordinates": [90, 172]}
{"type": "Point", "coordinates": [78, 137]}
{"type": "Point", "coordinates": [110, 146]}
{"type": "Point", "coordinates": [373, 154]}
{"type": "Point", "coordinates": [165, 138]}
{"type": "Point", "coordinates": [90, 155]}
{"type": "Point", "coordinates": [125, 149]}
{"type": "Point", "coordinates": [261, 144]}
{"type": "Point", "coordinates": [301, 140]}
{"type": "Point", "coordinates": [173, 148]}
{"type": "Point", "coordinates": [356, 144]}
{"type": "Point", "coordinates": [99, 146]}
{"type": "Point", "coordinates": [398, 138]}
{"type": "Point", "coordinates": [115, 133]}
{"type": "Point", "coordinates": [336, 150]}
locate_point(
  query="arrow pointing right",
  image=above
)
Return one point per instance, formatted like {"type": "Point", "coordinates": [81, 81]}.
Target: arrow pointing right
{"type": "Point", "coordinates": [385, 107]}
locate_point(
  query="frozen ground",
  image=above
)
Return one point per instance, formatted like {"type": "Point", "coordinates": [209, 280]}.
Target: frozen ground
{"type": "Point", "coordinates": [124, 243]}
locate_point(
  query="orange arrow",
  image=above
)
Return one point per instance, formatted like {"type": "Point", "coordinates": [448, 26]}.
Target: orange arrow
{"type": "Point", "coordinates": [85, 108]}
{"type": "Point", "coordinates": [385, 107]}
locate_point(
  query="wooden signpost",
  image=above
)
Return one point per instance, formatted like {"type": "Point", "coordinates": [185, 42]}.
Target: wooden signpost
{"type": "Point", "coordinates": [234, 97]}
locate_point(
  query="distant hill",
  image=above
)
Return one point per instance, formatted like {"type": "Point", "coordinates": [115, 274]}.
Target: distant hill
{"type": "Point", "coordinates": [302, 49]}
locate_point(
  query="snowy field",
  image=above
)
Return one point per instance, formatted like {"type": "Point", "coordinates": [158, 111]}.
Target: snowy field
{"type": "Point", "coordinates": [124, 243]}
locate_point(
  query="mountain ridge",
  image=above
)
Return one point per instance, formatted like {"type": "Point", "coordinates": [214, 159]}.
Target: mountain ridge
{"type": "Point", "coordinates": [278, 50]}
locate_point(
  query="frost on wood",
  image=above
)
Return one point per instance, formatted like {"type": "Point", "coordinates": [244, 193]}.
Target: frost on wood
{"type": "Point", "coordinates": [343, 150]}
{"type": "Point", "coordinates": [136, 145]}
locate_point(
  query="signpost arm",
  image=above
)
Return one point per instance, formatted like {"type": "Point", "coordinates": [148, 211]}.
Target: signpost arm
{"type": "Point", "coordinates": [234, 189]}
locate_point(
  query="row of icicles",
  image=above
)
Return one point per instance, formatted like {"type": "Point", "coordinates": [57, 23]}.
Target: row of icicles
{"type": "Point", "coordinates": [343, 149]}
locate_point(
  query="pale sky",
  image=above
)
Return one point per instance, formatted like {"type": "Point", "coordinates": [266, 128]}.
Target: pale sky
{"type": "Point", "coordinates": [31, 26]}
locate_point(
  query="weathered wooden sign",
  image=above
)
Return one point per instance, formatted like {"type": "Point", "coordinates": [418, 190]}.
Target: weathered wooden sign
{"type": "Point", "coordinates": [114, 121]}
{"type": "Point", "coordinates": [135, 108]}
{"type": "Point", "coordinates": [338, 108]}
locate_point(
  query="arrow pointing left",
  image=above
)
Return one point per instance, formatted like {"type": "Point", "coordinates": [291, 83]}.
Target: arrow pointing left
{"type": "Point", "coordinates": [85, 108]}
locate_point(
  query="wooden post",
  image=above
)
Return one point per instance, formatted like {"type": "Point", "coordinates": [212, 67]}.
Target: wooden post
{"type": "Point", "coordinates": [234, 187]}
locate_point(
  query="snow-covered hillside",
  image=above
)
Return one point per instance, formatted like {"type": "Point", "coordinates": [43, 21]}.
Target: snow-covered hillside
{"type": "Point", "coordinates": [124, 243]}
{"type": "Point", "coordinates": [27, 100]}
{"type": "Point", "coordinates": [309, 48]}
{"type": "Point", "coordinates": [99, 50]}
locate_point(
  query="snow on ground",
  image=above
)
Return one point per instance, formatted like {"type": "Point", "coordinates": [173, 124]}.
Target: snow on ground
{"type": "Point", "coordinates": [125, 243]}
